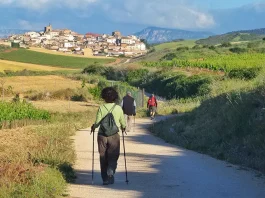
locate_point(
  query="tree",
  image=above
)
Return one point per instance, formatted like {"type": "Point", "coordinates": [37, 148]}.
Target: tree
{"type": "Point", "coordinates": [226, 45]}
{"type": "Point", "coordinates": [148, 46]}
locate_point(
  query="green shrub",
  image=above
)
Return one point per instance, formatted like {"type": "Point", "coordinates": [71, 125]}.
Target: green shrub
{"type": "Point", "coordinates": [116, 74]}
{"type": "Point", "coordinates": [137, 75]}
{"type": "Point", "coordinates": [226, 45]}
{"type": "Point", "coordinates": [212, 47]}
{"type": "Point", "coordinates": [183, 48]}
{"type": "Point", "coordinates": [244, 74]}
{"type": "Point", "coordinates": [94, 69]}
{"type": "Point", "coordinates": [196, 47]}
{"type": "Point", "coordinates": [174, 86]}
{"type": "Point", "coordinates": [253, 44]}
{"type": "Point", "coordinates": [237, 50]}
{"type": "Point", "coordinates": [169, 56]}
{"type": "Point", "coordinates": [19, 111]}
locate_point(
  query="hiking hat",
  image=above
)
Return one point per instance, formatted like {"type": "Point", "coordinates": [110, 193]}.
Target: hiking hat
{"type": "Point", "coordinates": [129, 93]}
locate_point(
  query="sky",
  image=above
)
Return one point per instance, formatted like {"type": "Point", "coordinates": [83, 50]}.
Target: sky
{"type": "Point", "coordinates": [225, 4]}
{"type": "Point", "coordinates": [130, 16]}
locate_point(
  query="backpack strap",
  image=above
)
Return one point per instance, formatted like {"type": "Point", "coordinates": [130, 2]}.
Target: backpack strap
{"type": "Point", "coordinates": [110, 111]}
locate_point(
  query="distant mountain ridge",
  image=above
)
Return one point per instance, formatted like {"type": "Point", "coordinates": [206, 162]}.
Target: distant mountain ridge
{"type": "Point", "coordinates": [260, 31]}
{"type": "Point", "coordinates": [236, 36]}
{"type": "Point", "coordinates": [160, 35]}
{"type": "Point", "coordinates": [7, 32]}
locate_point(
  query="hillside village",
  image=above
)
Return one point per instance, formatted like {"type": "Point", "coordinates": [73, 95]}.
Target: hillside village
{"type": "Point", "coordinates": [90, 44]}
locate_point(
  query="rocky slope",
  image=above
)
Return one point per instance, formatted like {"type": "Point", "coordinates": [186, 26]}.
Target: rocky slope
{"type": "Point", "coordinates": [161, 35]}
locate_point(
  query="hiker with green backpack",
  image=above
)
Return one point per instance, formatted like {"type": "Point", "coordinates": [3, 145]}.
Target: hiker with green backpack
{"type": "Point", "coordinates": [110, 120]}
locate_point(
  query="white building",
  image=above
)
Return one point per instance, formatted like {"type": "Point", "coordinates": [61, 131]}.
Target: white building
{"type": "Point", "coordinates": [53, 34]}
{"type": "Point", "coordinates": [69, 44]}
{"type": "Point", "coordinates": [32, 34]}
{"type": "Point", "coordinates": [140, 46]}
{"type": "Point", "coordinates": [127, 40]}
{"type": "Point", "coordinates": [69, 37]}
{"type": "Point", "coordinates": [36, 40]}
{"type": "Point", "coordinates": [111, 39]}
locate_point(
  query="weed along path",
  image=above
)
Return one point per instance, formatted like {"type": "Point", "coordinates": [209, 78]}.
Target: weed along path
{"type": "Point", "coordinates": [157, 170]}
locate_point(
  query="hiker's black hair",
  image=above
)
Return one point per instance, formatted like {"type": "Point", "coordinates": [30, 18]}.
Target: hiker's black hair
{"type": "Point", "coordinates": [109, 94]}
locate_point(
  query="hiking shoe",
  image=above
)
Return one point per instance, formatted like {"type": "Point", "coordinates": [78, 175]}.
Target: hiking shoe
{"type": "Point", "coordinates": [111, 176]}
{"type": "Point", "coordinates": [105, 183]}
{"type": "Point", "coordinates": [111, 179]}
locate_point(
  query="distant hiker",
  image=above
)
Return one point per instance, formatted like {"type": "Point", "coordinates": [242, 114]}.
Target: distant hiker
{"type": "Point", "coordinates": [110, 118]}
{"type": "Point", "coordinates": [128, 105]}
{"type": "Point", "coordinates": [152, 106]}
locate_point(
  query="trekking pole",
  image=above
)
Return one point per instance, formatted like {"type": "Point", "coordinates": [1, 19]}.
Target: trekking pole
{"type": "Point", "coordinates": [126, 173]}
{"type": "Point", "coordinates": [93, 131]}
{"type": "Point", "coordinates": [134, 124]}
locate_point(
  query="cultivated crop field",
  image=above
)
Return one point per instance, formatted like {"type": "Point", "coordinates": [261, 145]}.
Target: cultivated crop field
{"type": "Point", "coordinates": [174, 45]}
{"type": "Point", "coordinates": [16, 66]}
{"type": "Point", "coordinates": [22, 84]}
{"type": "Point", "coordinates": [220, 62]}
{"type": "Point", "coordinates": [43, 50]}
{"type": "Point", "coordinates": [60, 106]}
{"type": "Point", "coordinates": [27, 56]}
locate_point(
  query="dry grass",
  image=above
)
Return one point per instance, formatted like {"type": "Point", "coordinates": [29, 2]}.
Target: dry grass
{"type": "Point", "coordinates": [22, 84]}
{"type": "Point", "coordinates": [16, 66]}
{"type": "Point", "coordinates": [42, 50]}
{"type": "Point", "coordinates": [15, 146]}
{"type": "Point", "coordinates": [13, 142]}
{"type": "Point", "coordinates": [64, 106]}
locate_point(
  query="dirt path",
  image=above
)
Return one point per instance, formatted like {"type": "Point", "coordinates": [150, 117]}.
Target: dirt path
{"type": "Point", "coordinates": [157, 169]}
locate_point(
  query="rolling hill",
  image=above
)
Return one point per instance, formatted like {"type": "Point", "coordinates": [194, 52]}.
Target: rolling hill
{"type": "Point", "coordinates": [161, 35]}
{"type": "Point", "coordinates": [236, 36]}
{"type": "Point", "coordinates": [260, 31]}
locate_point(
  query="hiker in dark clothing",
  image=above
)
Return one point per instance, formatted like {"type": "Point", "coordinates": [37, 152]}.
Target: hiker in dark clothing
{"type": "Point", "coordinates": [152, 106]}
{"type": "Point", "coordinates": [128, 105]}
{"type": "Point", "coordinates": [109, 144]}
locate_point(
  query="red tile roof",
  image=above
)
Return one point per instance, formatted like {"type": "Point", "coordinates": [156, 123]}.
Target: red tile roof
{"type": "Point", "coordinates": [92, 34]}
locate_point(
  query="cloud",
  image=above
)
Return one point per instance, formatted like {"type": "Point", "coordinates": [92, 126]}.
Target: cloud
{"type": "Point", "coordinates": [27, 25]}
{"type": "Point", "coordinates": [170, 13]}
{"type": "Point", "coordinates": [181, 14]}
{"type": "Point", "coordinates": [46, 4]}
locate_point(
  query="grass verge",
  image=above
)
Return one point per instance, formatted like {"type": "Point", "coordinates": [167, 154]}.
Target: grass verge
{"type": "Point", "coordinates": [36, 161]}
{"type": "Point", "coordinates": [229, 127]}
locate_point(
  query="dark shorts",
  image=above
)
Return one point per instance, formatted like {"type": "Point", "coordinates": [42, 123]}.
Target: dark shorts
{"type": "Point", "coordinates": [152, 109]}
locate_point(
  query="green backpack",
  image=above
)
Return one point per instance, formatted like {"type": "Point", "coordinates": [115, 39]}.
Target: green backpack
{"type": "Point", "coordinates": [108, 125]}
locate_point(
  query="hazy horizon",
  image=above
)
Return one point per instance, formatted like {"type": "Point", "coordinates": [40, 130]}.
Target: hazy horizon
{"type": "Point", "coordinates": [130, 16]}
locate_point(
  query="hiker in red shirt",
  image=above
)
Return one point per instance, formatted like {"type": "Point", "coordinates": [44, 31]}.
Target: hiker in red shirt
{"type": "Point", "coordinates": [152, 106]}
